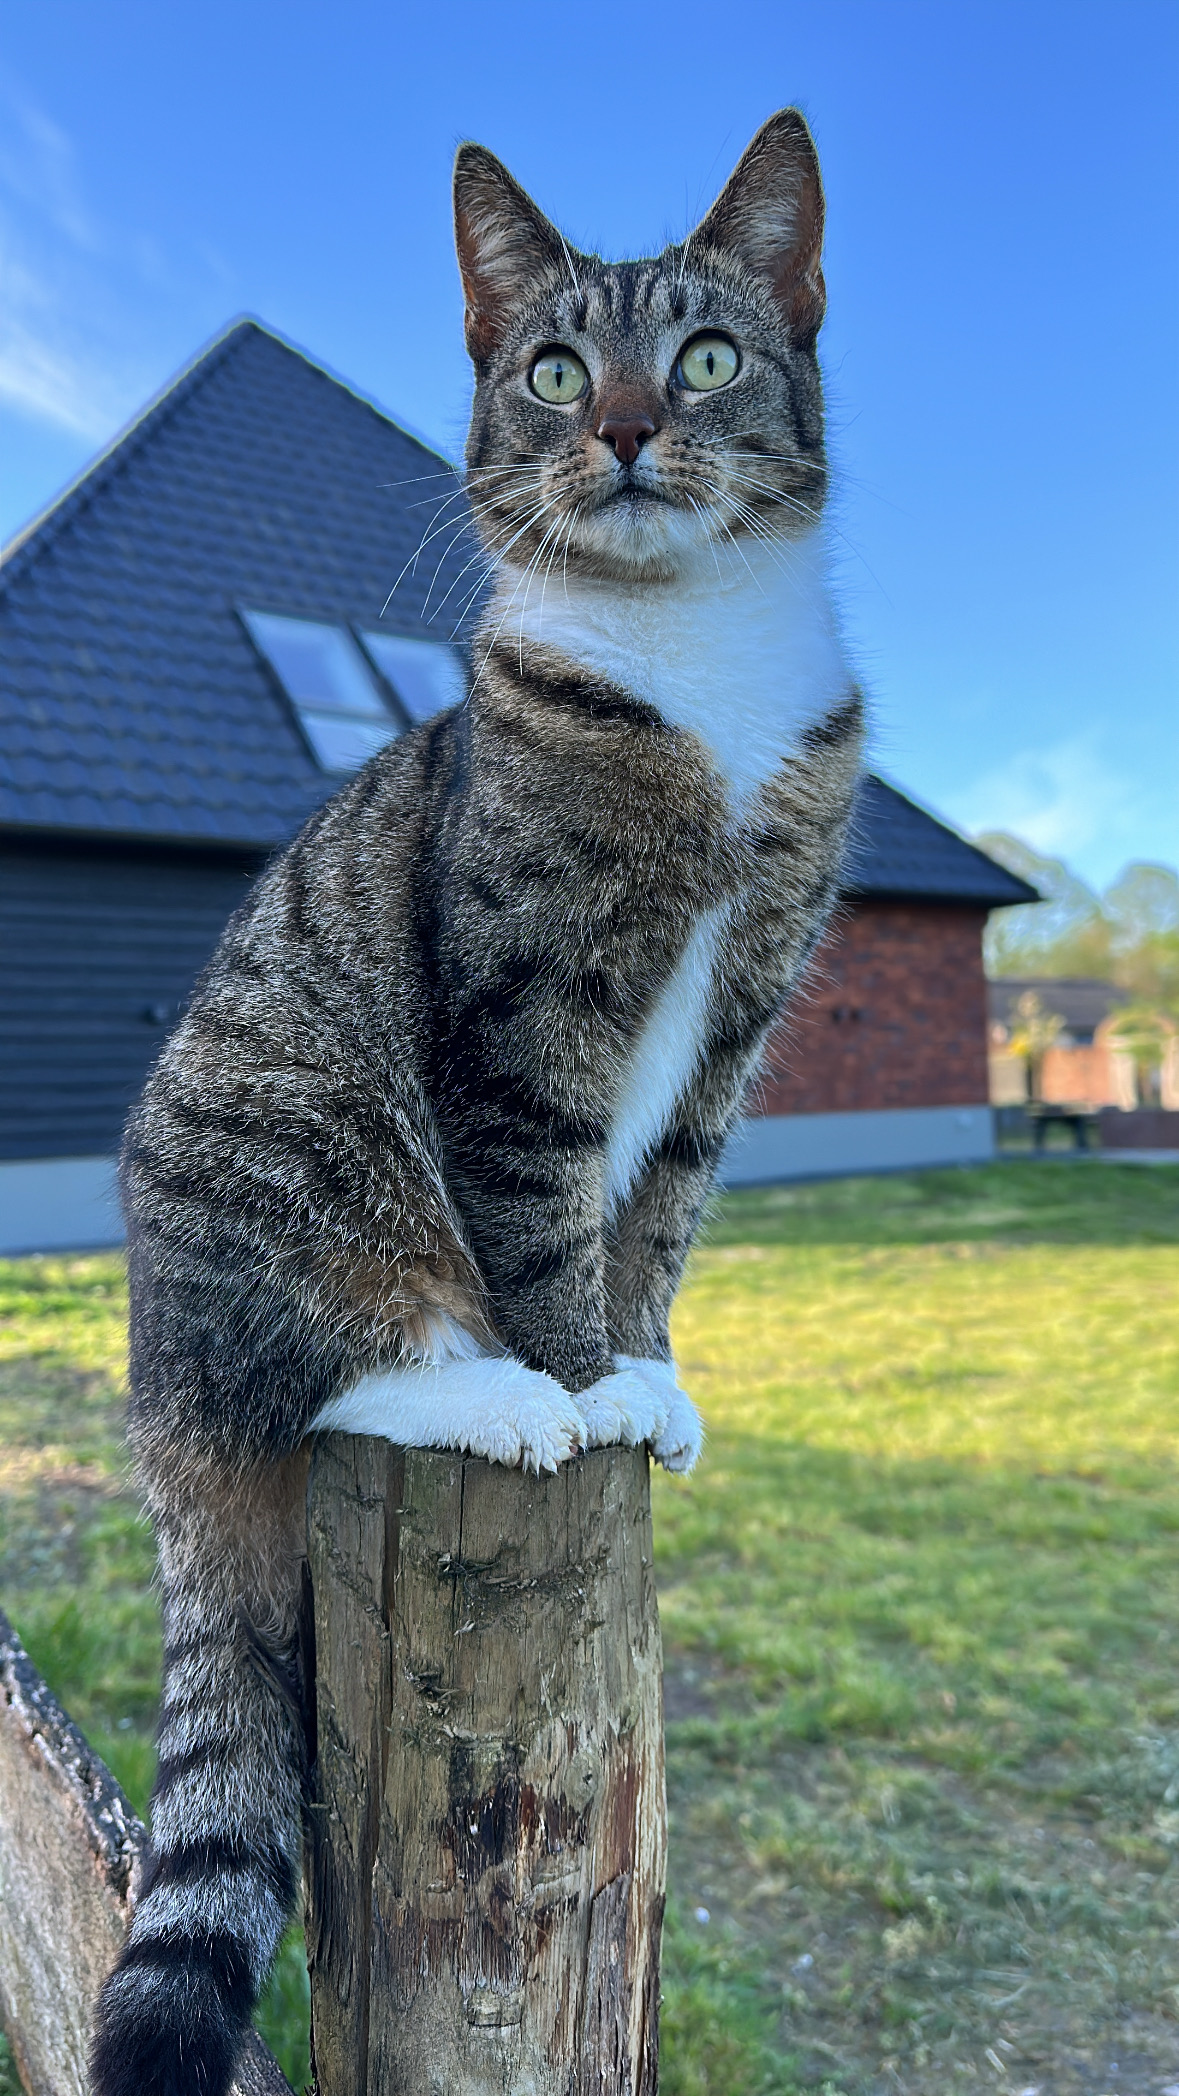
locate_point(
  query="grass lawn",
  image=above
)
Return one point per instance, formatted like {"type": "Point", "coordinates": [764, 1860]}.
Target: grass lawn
{"type": "Point", "coordinates": [920, 1618]}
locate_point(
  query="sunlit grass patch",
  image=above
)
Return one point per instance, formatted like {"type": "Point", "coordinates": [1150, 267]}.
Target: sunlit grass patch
{"type": "Point", "coordinates": [920, 1615]}
{"type": "Point", "coordinates": [920, 1619]}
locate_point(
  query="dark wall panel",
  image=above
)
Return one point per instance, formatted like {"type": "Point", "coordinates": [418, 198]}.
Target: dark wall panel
{"type": "Point", "coordinates": [97, 954]}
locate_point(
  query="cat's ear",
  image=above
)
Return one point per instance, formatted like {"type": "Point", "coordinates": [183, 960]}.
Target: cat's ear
{"type": "Point", "coordinates": [503, 240]}
{"type": "Point", "coordinates": [770, 215]}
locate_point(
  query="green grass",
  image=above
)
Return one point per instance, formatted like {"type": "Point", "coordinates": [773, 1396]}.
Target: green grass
{"type": "Point", "coordinates": [920, 1620]}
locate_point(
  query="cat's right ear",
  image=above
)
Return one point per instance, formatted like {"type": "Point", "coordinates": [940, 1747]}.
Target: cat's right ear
{"type": "Point", "coordinates": [502, 242]}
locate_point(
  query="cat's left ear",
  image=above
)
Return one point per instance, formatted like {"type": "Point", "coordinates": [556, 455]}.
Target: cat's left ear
{"type": "Point", "coordinates": [502, 239]}
{"type": "Point", "coordinates": [770, 215]}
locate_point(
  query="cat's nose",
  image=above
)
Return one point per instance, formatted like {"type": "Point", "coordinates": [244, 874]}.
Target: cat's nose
{"type": "Point", "coordinates": [628, 434]}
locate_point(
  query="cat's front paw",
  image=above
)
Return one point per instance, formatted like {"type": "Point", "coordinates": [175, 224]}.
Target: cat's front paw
{"type": "Point", "coordinates": [678, 1444]}
{"type": "Point", "coordinates": [622, 1409]}
{"type": "Point", "coordinates": [523, 1416]}
{"type": "Point", "coordinates": [659, 1375]}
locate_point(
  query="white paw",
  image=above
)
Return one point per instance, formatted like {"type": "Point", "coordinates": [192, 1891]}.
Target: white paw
{"type": "Point", "coordinates": [682, 1437]}
{"type": "Point", "coordinates": [622, 1409]}
{"type": "Point", "coordinates": [494, 1407]}
{"type": "Point", "coordinates": [535, 1422]}
{"type": "Point", "coordinates": [660, 1375]}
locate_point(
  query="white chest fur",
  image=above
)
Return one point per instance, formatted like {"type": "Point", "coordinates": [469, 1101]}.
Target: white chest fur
{"type": "Point", "coordinates": [663, 1060]}
{"type": "Point", "coordinates": [744, 651]}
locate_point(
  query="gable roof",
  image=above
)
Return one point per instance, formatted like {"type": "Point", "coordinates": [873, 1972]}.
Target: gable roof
{"type": "Point", "coordinates": [133, 704]}
{"type": "Point", "coordinates": [900, 850]}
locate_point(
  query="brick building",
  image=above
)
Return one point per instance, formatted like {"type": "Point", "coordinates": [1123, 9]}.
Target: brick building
{"type": "Point", "coordinates": [883, 1062]}
{"type": "Point", "coordinates": [195, 649]}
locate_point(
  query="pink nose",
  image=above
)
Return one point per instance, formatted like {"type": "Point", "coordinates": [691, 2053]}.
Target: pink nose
{"type": "Point", "coordinates": [628, 434]}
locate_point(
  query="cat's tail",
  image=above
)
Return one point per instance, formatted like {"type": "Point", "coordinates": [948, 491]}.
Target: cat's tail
{"type": "Point", "coordinates": [227, 1809]}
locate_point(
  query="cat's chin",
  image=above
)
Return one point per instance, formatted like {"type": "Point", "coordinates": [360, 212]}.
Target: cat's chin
{"type": "Point", "coordinates": [639, 539]}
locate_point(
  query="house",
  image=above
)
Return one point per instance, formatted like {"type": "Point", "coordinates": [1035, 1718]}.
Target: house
{"type": "Point", "coordinates": [882, 1064]}
{"type": "Point", "coordinates": [197, 643]}
{"type": "Point", "coordinates": [1089, 1063]}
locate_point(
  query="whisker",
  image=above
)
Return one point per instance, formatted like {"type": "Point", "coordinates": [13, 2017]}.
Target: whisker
{"type": "Point", "coordinates": [569, 265]}
{"type": "Point", "coordinates": [775, 495]}
{"type": "Point", "coordinates": [489, 564]}
{"type": "Point", "coordinates": [484, 552]}
{"type": "Point", "coordinates": [532, 570]}
{"type": "Point", "coordinates": [568, 542]}
{"type": "Point", "coordinates": [464, 492]}
{"type": "Point", "coordinates": [698, 510]}
{"type": "Point", "coordinates": [537, 514]}
{"type": "Point", "coordinates": [436, 527]}
{"type": "Point", "coordinates": [805, 510]}
{"type": "Point", "coordinates": [757, 527]}
{"type": "Point", "coordinates": [440, 563]}
{"type": "Point", "coordinates": [416, 479]}
{"type": "Point", "coordinates": [549, 569]}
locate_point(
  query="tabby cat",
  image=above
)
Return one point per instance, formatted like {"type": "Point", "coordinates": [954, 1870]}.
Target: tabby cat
{"type": "Point", "coordinates": [426, 1154]}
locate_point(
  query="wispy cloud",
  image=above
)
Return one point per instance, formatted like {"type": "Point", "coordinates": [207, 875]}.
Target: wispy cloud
{"type": "Point", "coordinates": [1062, 798]}
{"type": "Point", "coordinates": [49, 244]}
{"type": "Point", "coordinates": [71, 356]}
{"type": "Point", "coordinates": [45, 370]}
{"type": "Point", "coordinates": [38, 167]}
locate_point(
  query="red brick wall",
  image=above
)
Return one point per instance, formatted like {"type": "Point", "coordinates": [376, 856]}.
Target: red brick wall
{"type": "Point", "coordinates": [895, 1015]}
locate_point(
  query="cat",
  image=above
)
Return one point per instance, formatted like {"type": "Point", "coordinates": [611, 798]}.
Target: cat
{"type": "Point", "coordinates": [425, 1156]}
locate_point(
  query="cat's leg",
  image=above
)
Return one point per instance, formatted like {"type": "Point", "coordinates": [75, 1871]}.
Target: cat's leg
{"type": "Point", "coordinates": [647, 1248]}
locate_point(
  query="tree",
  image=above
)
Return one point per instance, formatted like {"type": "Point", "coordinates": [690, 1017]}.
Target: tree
{"type": "Point", "coordinates": [1129, 935]}
{"type": "Point", "coordinates": [1066, 934]}
{"type": "Point", "coordinates": [1032, 1036]}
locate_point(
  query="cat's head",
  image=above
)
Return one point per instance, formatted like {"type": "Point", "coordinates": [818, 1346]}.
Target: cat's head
{"type": "Point", "coordinates": [631, 418]}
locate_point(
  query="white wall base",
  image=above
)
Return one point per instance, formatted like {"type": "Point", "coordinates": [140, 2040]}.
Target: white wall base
{"type": "Point", "coordinates": [821, 1146]}
{"type": "Point", "coordinates": [58, 1204]}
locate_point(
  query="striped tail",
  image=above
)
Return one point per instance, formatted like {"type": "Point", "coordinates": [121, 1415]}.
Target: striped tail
{"type": "Point", "coordinates": [227, 1808]}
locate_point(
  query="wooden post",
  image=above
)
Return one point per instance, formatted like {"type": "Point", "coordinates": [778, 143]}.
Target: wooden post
{"type": "Point", "coordinates": [71, 1850]}
{"type": "Point", "coordinates": [487, 1856]}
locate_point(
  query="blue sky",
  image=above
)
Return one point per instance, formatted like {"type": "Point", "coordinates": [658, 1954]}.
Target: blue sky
{"type": "Point", "coordinates": [1004, 309]}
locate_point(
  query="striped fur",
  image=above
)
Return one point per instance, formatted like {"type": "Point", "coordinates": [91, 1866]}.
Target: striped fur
{"type": "Point", "coordinates": [426, 1154]}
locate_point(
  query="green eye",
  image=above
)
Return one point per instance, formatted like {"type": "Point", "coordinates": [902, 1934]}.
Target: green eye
{"type": "Point", "coordinates": [558, 376]}
{"type": "Point", "coordinates": [708, 362]}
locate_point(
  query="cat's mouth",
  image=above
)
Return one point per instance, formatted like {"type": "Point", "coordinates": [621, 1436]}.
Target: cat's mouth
{"type": "Point", "coordinates": [637, 523]}
{"type": "Point", "coordinates": [633, 494]}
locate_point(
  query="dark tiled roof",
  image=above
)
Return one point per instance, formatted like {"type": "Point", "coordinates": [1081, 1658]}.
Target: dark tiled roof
{"type": "Point", "coordinates": [131, 701]}
{"type": "Point", "coordinates": [898, 849]}
{"type": "Point", "coordinates": [1082, 1001]}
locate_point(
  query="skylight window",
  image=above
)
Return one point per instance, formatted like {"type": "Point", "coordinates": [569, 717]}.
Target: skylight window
{"type": "Point", "coordinates": [336, 697]}
{"type": "Point", "coordinates": [425, 674]}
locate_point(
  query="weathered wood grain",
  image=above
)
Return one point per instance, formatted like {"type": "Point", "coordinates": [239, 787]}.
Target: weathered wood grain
{"type": "Point", "coordinates": [489, 1829]}
{"type": "Point", "coordinates": [70, 1851]}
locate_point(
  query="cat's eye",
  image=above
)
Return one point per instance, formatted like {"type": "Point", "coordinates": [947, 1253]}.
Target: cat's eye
{"type": "Point", "coordinates": [558, 377]}
{"type": "Point", "coordinates": [708, 362]}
